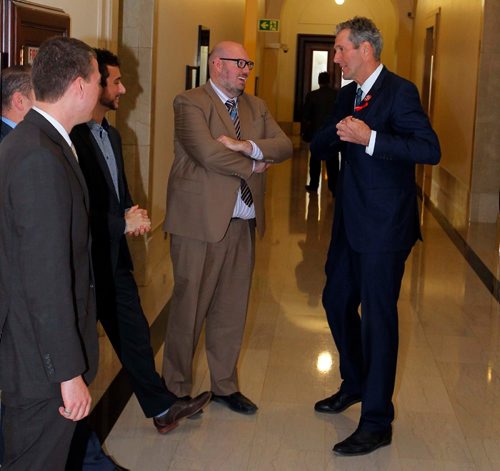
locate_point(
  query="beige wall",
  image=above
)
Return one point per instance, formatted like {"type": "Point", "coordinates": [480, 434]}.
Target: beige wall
{"type": "Point", "coordinates": [92, 21]}
{"type": "Point", "coordinates": [485, 184]}
{"type": "Point", "coordinates": [454, 107]}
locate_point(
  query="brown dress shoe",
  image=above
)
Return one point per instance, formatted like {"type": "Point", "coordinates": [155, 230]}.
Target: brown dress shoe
{"type": "Point", "coordinates": [179, 410]}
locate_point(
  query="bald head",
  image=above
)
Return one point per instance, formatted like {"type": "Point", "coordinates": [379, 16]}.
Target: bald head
{"type": "Point", "coordinates": [226, 72]}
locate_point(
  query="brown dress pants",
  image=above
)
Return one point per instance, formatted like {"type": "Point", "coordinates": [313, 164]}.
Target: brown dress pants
{"type": "Point", "coordinates": [211, 284]}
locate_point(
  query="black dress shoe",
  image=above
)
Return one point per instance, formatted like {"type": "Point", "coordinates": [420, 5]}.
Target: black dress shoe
{"type": "Point", "coordinates": [236, 402]}
{"type": "Point", "coordinates": [196, 415]}
{"type": "Point", "coordinates": [363, 442]}
{"type": "Point", "coordinates": [337, 403]}
{"type": "Point", "coordinates": [179, 410]}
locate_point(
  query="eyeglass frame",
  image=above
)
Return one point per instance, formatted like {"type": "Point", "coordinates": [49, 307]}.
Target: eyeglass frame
{"type": "Point", "coordinates": [250, 64]}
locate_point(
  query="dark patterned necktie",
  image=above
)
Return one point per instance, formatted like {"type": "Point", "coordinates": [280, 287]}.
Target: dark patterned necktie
{"type": "Point", "coordinates": [246, 194]}
{"type": "Point", "coordinates": [359, 94]}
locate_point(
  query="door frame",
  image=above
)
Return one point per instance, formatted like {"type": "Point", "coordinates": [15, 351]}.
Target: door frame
{"type": "Point", "coordinates": [305, 44]}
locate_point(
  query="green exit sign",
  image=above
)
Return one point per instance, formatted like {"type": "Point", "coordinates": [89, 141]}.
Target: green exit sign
{"type": "Point", "coordinates": [268, 25]}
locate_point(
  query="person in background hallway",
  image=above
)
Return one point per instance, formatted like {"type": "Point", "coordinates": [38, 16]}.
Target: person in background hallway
{"type": "Point", "coordinates": [17, 99]}
{"type": "Point", "coordinates": [382, 132]}
{"type": "Point", "coordinates": [113, 215]}
{"type": "Point", "coordinates": [224, 142]}
{"type": "Point", "coordinates": [318, 105]}
{"type": "Point", "coordinates": [48, 346]}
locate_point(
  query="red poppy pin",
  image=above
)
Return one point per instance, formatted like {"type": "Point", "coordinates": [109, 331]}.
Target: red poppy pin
{"type": "Point", "coordinates": [363, 104]}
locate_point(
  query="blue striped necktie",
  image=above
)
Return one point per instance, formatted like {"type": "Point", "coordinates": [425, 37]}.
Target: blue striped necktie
{"type": "Point", "coordinates": [246, 194]}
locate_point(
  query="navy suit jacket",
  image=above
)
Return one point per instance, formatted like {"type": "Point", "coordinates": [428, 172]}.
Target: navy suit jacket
{"type": "Point", "coordinates": [376, 195]}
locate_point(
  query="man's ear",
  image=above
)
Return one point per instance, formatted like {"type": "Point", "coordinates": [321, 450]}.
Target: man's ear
{"type": "Point", "coordinates": [17, 101]}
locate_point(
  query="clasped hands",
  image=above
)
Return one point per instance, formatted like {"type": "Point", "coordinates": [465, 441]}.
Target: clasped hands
{"type": "Point", "coordinates": [353, 130]}
{"type": "Point", "coordinates": [244, 147]}
{"type": "Point", "coordinates": [137, 221]}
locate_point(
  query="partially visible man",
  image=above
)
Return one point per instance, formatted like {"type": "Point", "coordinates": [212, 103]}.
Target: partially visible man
{"type": "Point", "coordinates": [17, 97]}
{"type": "Point", "coordinates": [318, 105]}
{"type": "Point", "coordinates": [113, 216]}
{"type": "Point", "coordinates": [48, 346]}
{"type": "Point", "coordinates": [224, 142]}
{"type": "Point", "coordinates": [382, 132]}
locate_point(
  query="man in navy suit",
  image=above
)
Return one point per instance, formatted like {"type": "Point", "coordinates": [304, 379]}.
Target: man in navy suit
{"type": "Point", "coordinates": [382, 131]}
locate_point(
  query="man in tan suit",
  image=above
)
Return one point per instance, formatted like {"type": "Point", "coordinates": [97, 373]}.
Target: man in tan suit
{"type": "Point", "coordinates": [224, 142]}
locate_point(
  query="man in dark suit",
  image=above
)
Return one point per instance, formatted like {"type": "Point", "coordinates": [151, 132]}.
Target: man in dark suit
{"type": "Point", "coordinates": [17, 97]}
{"type": "Point", "coordinates": [318, 105]}
{"type": "Point", "coordinates": [224, 142]}
{"type": "Point", "coordinates": [113, 216]}
{"type": "Point", "coordinates": [48, 346]}
{"type": "Point", "coordinates": [382, 132]}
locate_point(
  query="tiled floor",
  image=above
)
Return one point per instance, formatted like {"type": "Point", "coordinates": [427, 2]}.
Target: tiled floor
{"type": "Point", "coordinates": [448, 386]}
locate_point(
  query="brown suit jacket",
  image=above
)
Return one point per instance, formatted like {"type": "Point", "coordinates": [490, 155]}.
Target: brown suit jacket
{"type": "Point", "coordinates": [205, 176]}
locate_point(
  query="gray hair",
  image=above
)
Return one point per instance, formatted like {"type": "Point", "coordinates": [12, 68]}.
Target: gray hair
{"type": "Point", "coordinates": [16, 78]}
{"type": "Point", "coordinates": [363, 29]}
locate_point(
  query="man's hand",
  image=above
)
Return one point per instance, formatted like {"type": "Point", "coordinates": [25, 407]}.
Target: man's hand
{"type": "Point", "coordinates": [245, 147]}
{"type": "Point", "coordinates": [260, 166]}
{"type": "Point", "coordinates": [76, 399]}
{"type": "Point", "coordinates": [137, 221]}
{"type": "Point", "coordinates": [353, 130]}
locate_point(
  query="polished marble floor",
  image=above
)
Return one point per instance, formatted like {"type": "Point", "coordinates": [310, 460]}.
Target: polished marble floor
{"type": "Point", "coordinates": [447, 395]}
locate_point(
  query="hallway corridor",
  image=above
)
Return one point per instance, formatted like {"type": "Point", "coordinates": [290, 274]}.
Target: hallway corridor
{"type": "Point", "coordinates": [447, 395]}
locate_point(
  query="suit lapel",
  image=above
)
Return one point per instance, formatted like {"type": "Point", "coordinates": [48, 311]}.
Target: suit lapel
{"type": "Point", "coordinates": [116, 145]}
{"type": "Point", "coordinates": [41, 122]}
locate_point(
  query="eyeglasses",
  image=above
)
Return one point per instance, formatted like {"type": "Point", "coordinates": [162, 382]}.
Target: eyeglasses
{"type": "Point", "coordinates": [241, 63]}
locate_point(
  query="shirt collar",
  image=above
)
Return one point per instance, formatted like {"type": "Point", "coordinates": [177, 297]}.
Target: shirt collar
{"type": "Point", "coordinates": [221, 94]}
{"type": "Point", "coordinates": [93, 124]}
{"type": "Point", "coordinates": [55, 123]}
{"type": "Point", "coordinates": [368, 83]}
{"type": "Point", "coordinates": [8, 122]}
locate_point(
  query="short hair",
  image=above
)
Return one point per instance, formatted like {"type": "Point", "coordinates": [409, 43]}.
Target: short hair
{"type": "Point", "coordinates": [59, 61]}
{"type": "Point", "coordinates": [105, 58]}
{"type": "Point", "coordinates": [363, 29]}
{"type": "Point", "coordinates": [16, 78]}
{"type": "Point", "coordinates": [324, 78]}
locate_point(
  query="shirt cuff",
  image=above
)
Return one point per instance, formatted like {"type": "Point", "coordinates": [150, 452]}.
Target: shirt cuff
{"type": "Point", "coordinates": [256, 152]}
{"type": "Point", "coordinates": [370, 148]}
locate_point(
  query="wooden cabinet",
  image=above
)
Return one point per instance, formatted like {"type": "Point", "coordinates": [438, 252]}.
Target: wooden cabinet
{"type": "Point", "coordinates": [25, 25]}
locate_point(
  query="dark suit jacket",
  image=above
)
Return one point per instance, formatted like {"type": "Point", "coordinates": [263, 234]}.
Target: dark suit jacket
{"type": "Point", "coordinates": [4, 130]}
{"type": "Point", "coordinates": [109, 244]}
{"type": "Point", "coordinates": [376, 195]}
{"type": "Point", "coordinates": [205, 176]}
{"type": "Point", "coordinates": [318, 105]}
{"type": "Point", "coordinates": [47, 304]}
